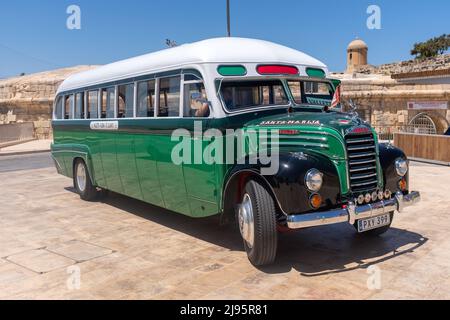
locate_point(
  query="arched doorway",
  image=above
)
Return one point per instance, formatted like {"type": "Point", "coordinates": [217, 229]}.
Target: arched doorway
{"type": "Point", "coordinates": [422, 124]}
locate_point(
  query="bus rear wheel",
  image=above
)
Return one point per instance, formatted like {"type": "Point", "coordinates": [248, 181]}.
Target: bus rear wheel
{"type": "Point", "coordinates": [82, 181]}
{"type": "Point", "coordinates": [257, 224]}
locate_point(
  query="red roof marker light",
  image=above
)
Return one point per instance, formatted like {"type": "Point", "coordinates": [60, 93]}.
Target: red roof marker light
{"type": "Point", "coordinates": [277, 69]}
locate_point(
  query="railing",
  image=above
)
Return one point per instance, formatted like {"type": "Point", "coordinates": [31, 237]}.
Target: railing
{"type": "Point", "coordinates": [424, 146]}
{"type": "Point", "coordinates": [16, 132]}
{"type": "Point", "coordinates": [386, 133]}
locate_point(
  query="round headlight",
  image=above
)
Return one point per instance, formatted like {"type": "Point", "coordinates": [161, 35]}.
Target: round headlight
{"type": "Point", "coordinates": [401, 166]}
{"type": "Point", "coordinates": [313, 180]}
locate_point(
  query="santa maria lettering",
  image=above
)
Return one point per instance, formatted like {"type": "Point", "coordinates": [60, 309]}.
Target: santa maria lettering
{"type": "Point", "coordinates": [290, 122]}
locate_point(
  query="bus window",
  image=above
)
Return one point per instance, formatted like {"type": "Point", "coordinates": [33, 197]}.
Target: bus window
{"type": "Point", "coordinates": [126, 101]}
{"type": "Point", "coordinates": [68, 103]}
{"type": "Point", "coordinates": [195, 101]}
{"type": "Point", "coordinates": [311, 92]}
{"type": "Point", "coordinates": [108, 103]}
{"type": "Point", "coordinates": [93, 105]}
{"type": "Point", "coordinates": [296, 91]}
{"type": "Point", "coordinates": [79, 106]}
{"type": "Point", "coordinates": [251, 94]}
{"type": "Point", "coordinates": [59, 108]}
{"type": "Point", "coordinates": [169, 97]}
{"type": "Point", "coordinates": [146, 99]}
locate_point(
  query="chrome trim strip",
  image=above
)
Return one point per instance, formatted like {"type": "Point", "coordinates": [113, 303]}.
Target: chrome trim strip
{"type": "Point", "coordinates": [352, 212]}
{"type": "Point", "coordinates": [356, 177]}
{"type": "Point", "coordinates": [359, 140]}
{"type": "Point", "coordinates": [356, 162]}
{"type": "Point", "coordinates": [363, 169]}
{"type": "Point", "coordinates": [360, 155]}
{"type": "Point", "coordinates": [364, 183]}
{"type": "Point", "coordinates": [360, 148]}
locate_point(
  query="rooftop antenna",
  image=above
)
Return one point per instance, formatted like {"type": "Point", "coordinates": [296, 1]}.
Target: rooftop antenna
{"type": "Point", "coordinates": [171, 43]}
{"type": "Point", "coordinates": [228, 19]}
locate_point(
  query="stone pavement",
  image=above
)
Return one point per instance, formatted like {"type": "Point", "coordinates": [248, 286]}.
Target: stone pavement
{"type": "Point", "coordinates": [34, 146]}
{"type": "Point", "coordinates": [55, 246]}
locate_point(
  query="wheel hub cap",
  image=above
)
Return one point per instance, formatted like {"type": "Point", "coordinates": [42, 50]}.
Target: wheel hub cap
{"type": "Point", "coordinates": [246, 221]}
{"type": "Point", "coordinates": [81, 177]}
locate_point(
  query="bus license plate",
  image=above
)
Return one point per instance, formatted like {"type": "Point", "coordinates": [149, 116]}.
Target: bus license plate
{"type": "Point", "coordinates": [374, 222]}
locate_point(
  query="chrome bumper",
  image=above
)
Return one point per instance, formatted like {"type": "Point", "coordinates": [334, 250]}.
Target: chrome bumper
{"type": "Point", "coordinates": [353, 212]}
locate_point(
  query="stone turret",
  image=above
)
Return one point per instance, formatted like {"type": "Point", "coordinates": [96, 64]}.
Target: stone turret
{"type": "Point", "coordinates": [357, 52]}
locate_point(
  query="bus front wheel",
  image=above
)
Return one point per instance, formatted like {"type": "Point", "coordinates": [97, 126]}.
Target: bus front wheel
{"type": "Point", "coordinates": [257, 224]}
{"type": "Point", "coordinates": [82, 181]}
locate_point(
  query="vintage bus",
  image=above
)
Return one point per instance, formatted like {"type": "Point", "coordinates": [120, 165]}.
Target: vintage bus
{"type": "Point", "coordinates": [114, 130]}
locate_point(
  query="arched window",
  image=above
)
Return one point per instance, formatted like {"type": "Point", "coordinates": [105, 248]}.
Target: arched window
{"type": "Point", "coordinates": [422, 124]}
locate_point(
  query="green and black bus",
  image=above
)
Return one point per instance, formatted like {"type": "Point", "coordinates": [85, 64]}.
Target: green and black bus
{"type": "Point", "coordinates": [114, 130]}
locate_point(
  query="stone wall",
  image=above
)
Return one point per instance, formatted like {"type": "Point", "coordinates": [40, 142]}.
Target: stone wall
{"type": "Point", "coordinates": [436, 63]}
{"type": "Point", "coordinates": [30, 98]}
{"type": "Point", "coordinates": [383, 101]}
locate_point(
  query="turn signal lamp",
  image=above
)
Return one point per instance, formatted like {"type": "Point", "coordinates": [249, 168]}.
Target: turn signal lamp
{"type": "Point", "coordinates": [316, 201]}
{"type": "Point", "coordinates": [402, 184]}
{"type": "Point", "coordinates": [277, 70]}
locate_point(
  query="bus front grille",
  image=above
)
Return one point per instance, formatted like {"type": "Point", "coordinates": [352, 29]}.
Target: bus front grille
{"type": "Point", "coordinates": [362, 162]}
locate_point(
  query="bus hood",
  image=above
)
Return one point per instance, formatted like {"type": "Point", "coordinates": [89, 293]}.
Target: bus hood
{"type": "Point", "coordinates": [338, 121]}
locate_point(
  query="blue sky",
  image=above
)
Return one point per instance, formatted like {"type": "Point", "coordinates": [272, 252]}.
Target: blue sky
{"type": "Point", "coordinates": [34, 37]}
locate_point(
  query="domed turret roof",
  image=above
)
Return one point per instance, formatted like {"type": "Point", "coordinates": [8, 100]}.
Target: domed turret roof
{"type": "Point", "coordinates": [357, 44]}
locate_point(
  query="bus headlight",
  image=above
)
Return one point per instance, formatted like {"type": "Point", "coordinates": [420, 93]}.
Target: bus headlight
{"type": "Point", "coordinates": [401, 166]}
{"type": "Point", "coordinates": [313, 180]}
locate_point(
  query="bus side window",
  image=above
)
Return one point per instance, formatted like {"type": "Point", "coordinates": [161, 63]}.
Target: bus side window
{"type": "Point", "coordinates": [79, 106]}
{"type": "Point", "coordinates": [108, 103]}
{"type": "Point", "coordinates": [169, 97]}
{"type": "Point", "coordinates": [59, 108]}
{"type": "Point", "coordinates": [195, 101]}
{"type": "Point", "coordinates": [126, 101]}
{"type": "Point", "coordinates": [146, 99]}
{"type": "Point", "coordinates": [68, 104]}
{"type": "Point", "coordinates": [92, 105]}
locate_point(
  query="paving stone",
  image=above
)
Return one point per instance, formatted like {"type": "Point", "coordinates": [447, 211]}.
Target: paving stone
{"type": "Point", "coordinates": [127, 249]}
{"type": "Point", "coordinates": [79, 250]}
{"type": "Point", "coordinates": [40, 260]}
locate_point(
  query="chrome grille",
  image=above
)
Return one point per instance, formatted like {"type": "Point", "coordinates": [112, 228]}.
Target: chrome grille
{"type": "Point", "coordinates": [362, 162]}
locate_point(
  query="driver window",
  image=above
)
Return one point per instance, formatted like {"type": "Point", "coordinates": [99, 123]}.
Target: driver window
{"type": "Point", "coordinates": [195, 101]}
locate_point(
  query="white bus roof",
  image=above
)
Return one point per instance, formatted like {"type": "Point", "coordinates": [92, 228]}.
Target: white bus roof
{"type": "Point", "coordinates": [214, 51]}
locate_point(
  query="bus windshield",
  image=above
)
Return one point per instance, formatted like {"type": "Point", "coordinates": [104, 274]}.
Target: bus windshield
{"type": "Point", "coordinates": [238, 95]}
{"type": "Point", "coordinates": [311, 92]}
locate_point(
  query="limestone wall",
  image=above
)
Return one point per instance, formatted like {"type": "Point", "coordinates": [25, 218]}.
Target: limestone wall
{"type": "Point", "coordinates": [436, 63]}
{"type": "Point", "coordinates": [30, 98]}
{"type": "Point", "coordinates": [383, 101]}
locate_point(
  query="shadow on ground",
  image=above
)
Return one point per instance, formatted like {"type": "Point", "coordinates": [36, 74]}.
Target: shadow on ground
{"type": "Point", "coordinates": [312, 252]}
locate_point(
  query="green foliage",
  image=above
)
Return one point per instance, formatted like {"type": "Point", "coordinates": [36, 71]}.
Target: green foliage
{"type": "Point", "coordinates": [432, 47]}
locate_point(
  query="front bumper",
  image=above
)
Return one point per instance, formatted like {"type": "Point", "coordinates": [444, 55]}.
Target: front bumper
{"type": "Point", "coordinates": [352, 212]}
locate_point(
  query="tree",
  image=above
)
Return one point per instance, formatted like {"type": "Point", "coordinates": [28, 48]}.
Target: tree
{"type": "Point", "coordinates": [431, 47]}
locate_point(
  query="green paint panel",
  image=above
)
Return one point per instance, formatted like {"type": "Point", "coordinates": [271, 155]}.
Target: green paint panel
{"type": "Point", "coordinates": [126, 163]}
{"type": "Point", "coordinates": [145, 155]}
{"type": "Point", "coordinates": [227, 71]}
